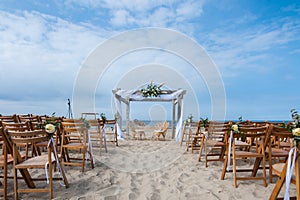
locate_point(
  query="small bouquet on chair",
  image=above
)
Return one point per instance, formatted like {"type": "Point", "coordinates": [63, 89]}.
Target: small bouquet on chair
{"type": "Point", "coordinates": [296, 134]}
{"type": "Point", "coordinates": [50, 125]}
{"type": "Point", "coordinates": [296, 128]}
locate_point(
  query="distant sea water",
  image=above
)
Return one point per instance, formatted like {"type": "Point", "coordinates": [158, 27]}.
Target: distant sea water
{"type": "Point", "coordinates": [151, 123]}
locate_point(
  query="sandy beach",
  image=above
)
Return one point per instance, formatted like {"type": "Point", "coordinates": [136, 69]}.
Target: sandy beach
{"type": "Point", "coordinates": [154, 170]}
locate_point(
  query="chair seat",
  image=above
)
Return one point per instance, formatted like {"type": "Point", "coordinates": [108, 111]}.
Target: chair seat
{"type": "Point", "coordinates": [285, 144]}
{"type": "Point", "coordinates": [278, 152]}
{"type": "Point", "coordinates": [9, 159]}
{"type": "Point", "coordinates": [74, 145]}
{"type": "Point", "coordinates": [42, 144]}
{"type": "Point", "coordinates": [247, 154]}
{"type": "Point", "coordinates": [240, 143]}
{"type": "Point", "coordinates": [35, 162]}
{"type": "Point", "coordinates": [278, 167]}
{"type": "Point", "coordinates": [215, 143]}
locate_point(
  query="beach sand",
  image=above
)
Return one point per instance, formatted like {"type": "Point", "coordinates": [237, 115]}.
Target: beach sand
{"type": "Point", "coordinates": [154, 170]}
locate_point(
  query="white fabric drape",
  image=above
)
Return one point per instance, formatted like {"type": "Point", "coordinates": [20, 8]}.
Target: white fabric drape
{"type": "Point", "coordinates": [119, 113]}
{"type": "Point", "coordinates": [289, 171]}
{"type": "Point", "coordinates": [179, 125]}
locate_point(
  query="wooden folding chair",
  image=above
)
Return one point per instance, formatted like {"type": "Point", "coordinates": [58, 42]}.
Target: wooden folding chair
{"type": "Point", "coordinates": [111, 131]}
{"type": "Point", "coordinates": [215, 141]}
{"type": "Point", "coordinates": [97, 134]}
{"type": "Point", "coordinates": [45, 161]}
{"type": "Point", "coordinates": [184, 135]}
{"type": "Point", "coordinates": [75, 140]}
{"type": "Point", "coordinates": [255, 151]}
{"type": "Point", "coordinates": [194, 136]}
{"type": "Point", "coordinates": [137, 131]}
{"type": "Point", "coordinates": [275, 152]}
{"type": "Point", "coordinates": [161, 132]}
{"type": "Point", "coordinates": [20, 127]}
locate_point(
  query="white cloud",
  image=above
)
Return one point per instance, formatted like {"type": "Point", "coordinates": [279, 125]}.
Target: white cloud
{"type": "Point", "coordinates": [121, 18]}
{"type": "Point", "coordinates": [249, 47]}
{"type": "Point", "coordinates": [124, 13]}
{"type": "Point", "coordinates": [42, 54]}
{"type": "Point", "coordinates": [189, 9]}
{"type": "Point", "coordinates": [132, 5]}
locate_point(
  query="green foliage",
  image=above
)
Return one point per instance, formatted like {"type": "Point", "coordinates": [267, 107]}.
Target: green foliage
{"type": "Point", "coordinates": [204, 122]}
{"type": "Point", "coordinates": [240, 118]}
{"type": "Point", "coordinates": [295, 118]}
{"type": "Point", "coordinates": [103, 117]}
{"type": "Point", "coordinates": [49, 120]}
{"type": "Point", "coordinates": [189, 119]}
{"type": "Point", "coordinates": [85, 123]}
{"type": "Point", "coordinates": [287, 126]}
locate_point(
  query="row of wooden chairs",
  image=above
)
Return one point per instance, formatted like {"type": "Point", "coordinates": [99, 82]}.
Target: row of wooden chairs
{"type": "Point", "coordinates": [72, 140]}
{"type": "Point", "coordinates": [261, 144]}
{"type": "Point", "coordinates": [31, 121]}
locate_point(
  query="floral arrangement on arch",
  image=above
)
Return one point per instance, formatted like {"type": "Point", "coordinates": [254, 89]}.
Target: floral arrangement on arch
{"type": "Point", "coordinates": [152, 90]}
{"type": "Point", "coordinates": [50, 125]}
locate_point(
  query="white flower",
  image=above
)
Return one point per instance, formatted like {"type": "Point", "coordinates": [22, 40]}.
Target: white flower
{"type": "Point", "coordinates": [50, 128]}
{"type": "Point", "coordinates": [235, 128]}
{"type": "Point", "coordinates": [296, 132]}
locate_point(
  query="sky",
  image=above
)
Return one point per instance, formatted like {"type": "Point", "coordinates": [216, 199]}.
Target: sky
{"type": "Point", "coordinates": [254, 44]}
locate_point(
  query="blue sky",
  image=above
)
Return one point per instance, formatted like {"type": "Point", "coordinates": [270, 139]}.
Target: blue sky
{"type": "Point", "coordinates": [255, 45]}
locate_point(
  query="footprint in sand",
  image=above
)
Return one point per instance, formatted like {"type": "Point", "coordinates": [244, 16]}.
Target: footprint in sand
{"type": "Point", "coordinates": [165, 176]}
{"type": "Point", "coordinates": [183, 177]}
{"type": "Point", "coordinates": [132, 196]}
{"type": "Point", "coordinates": [154, 196]}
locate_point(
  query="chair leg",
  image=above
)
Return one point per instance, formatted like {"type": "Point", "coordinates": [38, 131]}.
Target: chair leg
{"type": "Point", "coordinates": [234, 169]}
{"type": "Point", "coordinates": [50, 180]}
{"type": "Point", "coordinates": [83, 159]}
{"type": "Point", "coordinates": [224, 167]}
{"type": "Point", "coordinates": [15, 183]}
{"type": "Point", "coordinates": [5, 173]}
{"type": "Point", "coordinates": [101, 142]}
{"type": "Point", "coordinates": [270, 170]}
{"type": "Point", "coordinates": [104, 139]}
{"type": "Point", "coordinates": [264, 171]}
{"type": "Point", "coordinates": [201, 149]}
{"type": "Point", "coordinates": [91, 159]}
{"type": "Point", "coordinates": [64, 175]}
{"type": "Point", "coordinates": [116, 138]}
{"type": "Point", "coordinates": [205, 152]}
{"type": "Point", "coordinates": [182, 136]}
